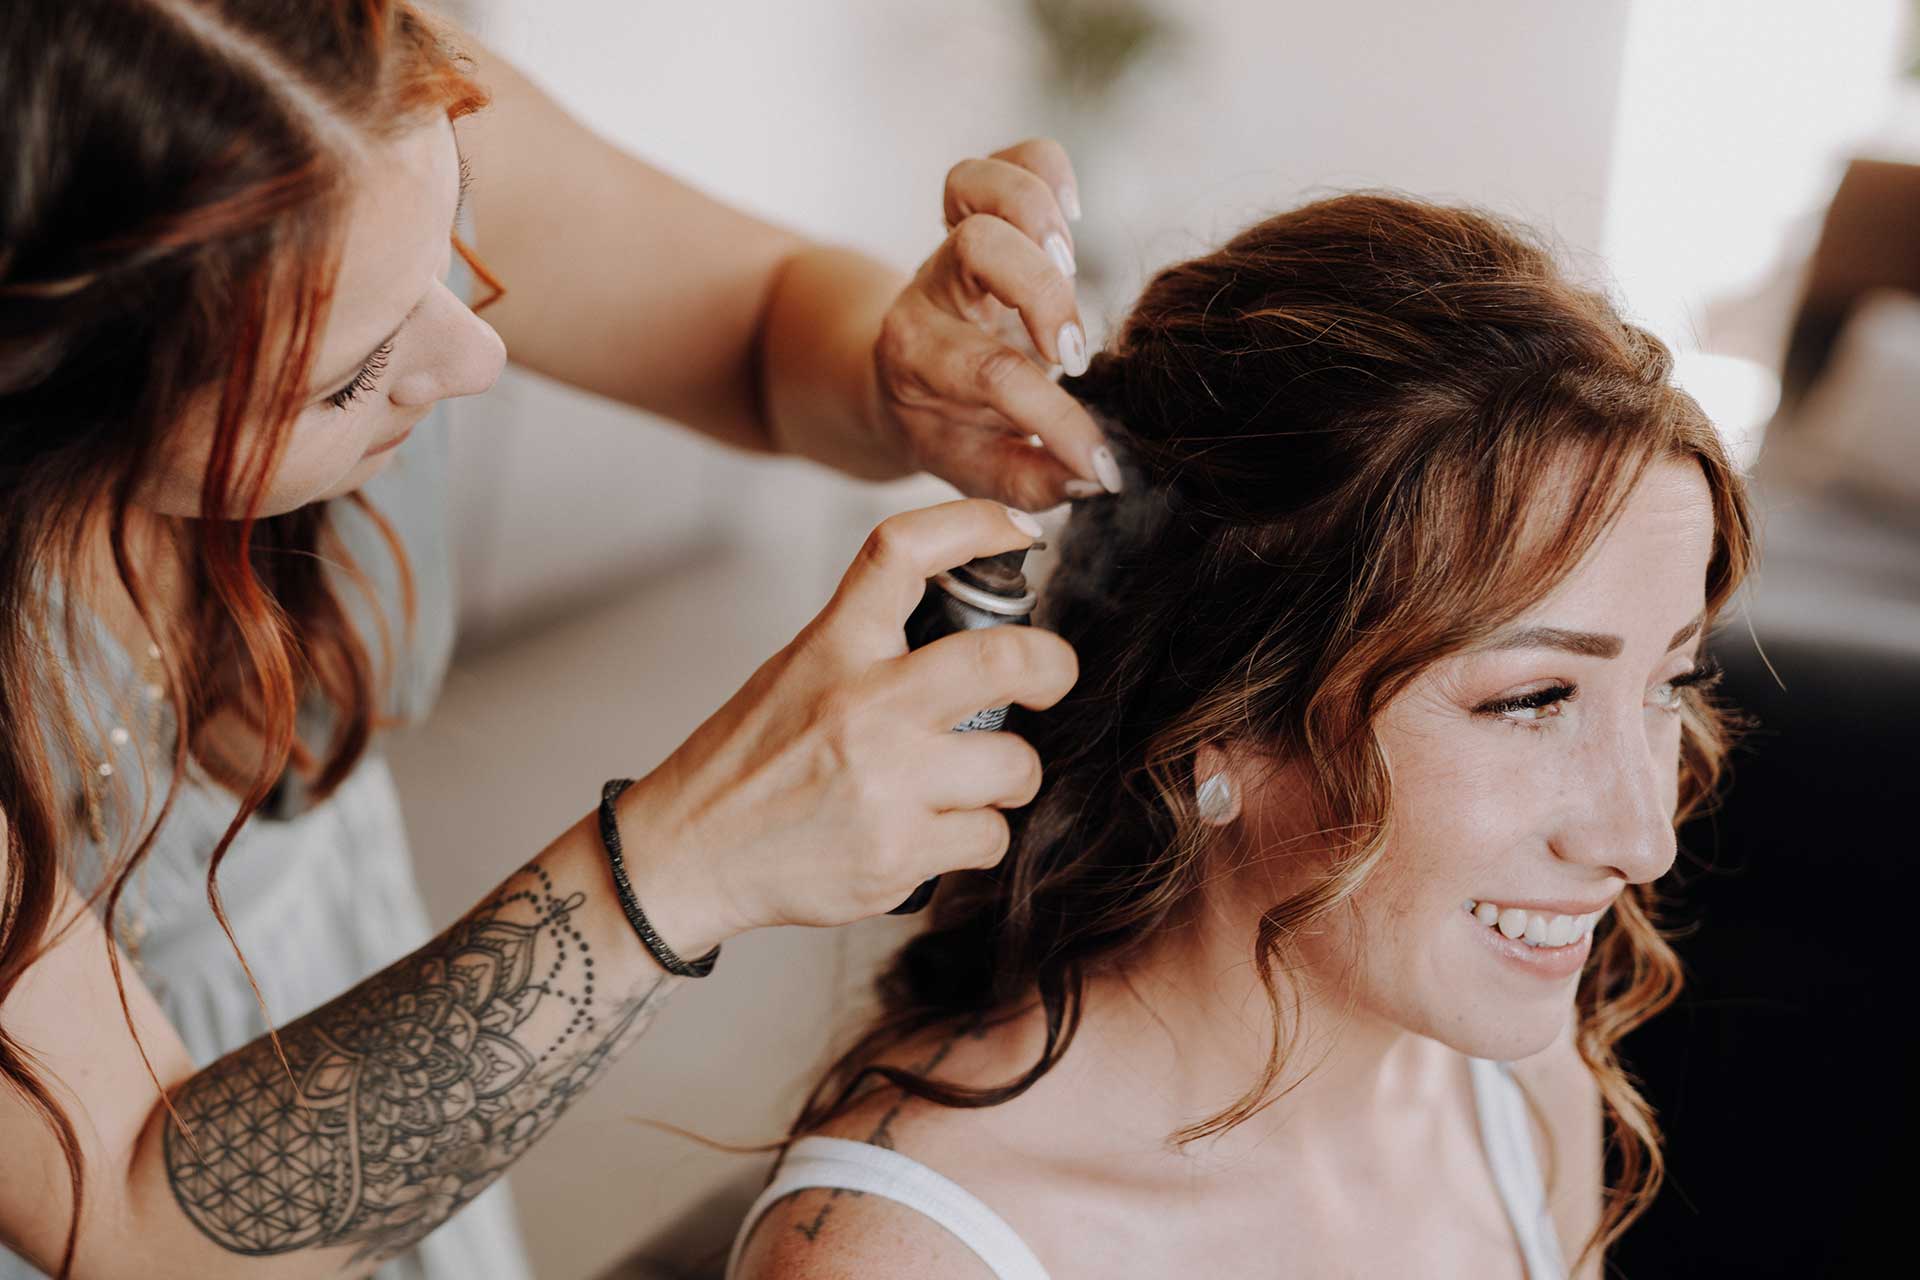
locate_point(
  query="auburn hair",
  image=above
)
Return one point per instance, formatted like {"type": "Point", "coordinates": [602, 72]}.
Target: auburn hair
{"type": "Point", "coordinates": [1350, 430]}
{"type": "Point", "coordinates": [177, 175]}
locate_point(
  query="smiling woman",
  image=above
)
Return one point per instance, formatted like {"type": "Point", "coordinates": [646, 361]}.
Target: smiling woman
{"type": "Point", "coordinates": [1347, 846]}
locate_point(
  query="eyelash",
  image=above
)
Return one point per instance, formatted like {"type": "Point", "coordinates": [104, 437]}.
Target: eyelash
{"type": "Point", "coordinates": [364, 381]}
{"type": "Point", "coordinates": [1705, 674]}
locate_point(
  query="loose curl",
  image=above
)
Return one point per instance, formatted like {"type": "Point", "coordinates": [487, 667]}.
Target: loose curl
{"type": "Point", "coordinates": [177, 174]}
{"type": "Point", "coordinates": [1349, 431]}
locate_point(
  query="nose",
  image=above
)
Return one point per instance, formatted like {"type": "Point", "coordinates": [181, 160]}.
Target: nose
{"type": "Point", "coordinates": [460, 354]}
{"type": "Point", "coordinates": [1624, 785]}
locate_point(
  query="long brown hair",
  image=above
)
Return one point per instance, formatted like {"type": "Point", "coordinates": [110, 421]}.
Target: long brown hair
{"type": "Point", "coordinates": [1345, 427]}
{"type": "Point", "coordinates": [176, 177]}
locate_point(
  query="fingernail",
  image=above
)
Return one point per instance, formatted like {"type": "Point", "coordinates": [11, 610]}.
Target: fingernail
{"type": "Point", "coordinates": [1070, 203]}
{"type": "Point", "coordinates": [1056, 247]}
{"type": "Point", "coordinates": [1073, 349]}
{"type": "Point", "coordinates": [1085, 489]}
{"type": "Point", "coordinates": [1106, 468]}
{"type": "Point", "coordinates": [1024, 522]}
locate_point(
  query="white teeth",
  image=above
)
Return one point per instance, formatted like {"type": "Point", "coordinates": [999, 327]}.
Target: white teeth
{"type": "Point", "coordinates": [1536, 929]}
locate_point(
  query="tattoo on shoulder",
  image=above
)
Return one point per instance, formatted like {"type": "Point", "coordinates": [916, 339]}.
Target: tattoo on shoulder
{"type": "Point", "coordinates": [882, 1135]}
{"type": "Point", "coordinates": [410, 1094]}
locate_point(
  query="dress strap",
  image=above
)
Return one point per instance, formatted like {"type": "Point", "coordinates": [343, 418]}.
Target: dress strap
{"type": "Point", "coordinates": [859, 1166]}
{"type": "Point", "coordinates": [1507, 1134]}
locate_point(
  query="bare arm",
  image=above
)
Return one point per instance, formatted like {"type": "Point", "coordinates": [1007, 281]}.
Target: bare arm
{"type": "Point", "coordinates": [629, 283]}
{"type": "Point", "coordinates": [399, 1101]}
{"type": "Point", "coordinates": [827, 788]}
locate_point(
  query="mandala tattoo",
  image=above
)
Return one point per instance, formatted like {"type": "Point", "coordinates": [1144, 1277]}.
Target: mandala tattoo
{"type": "Point", "coordinates": [410, 1094]}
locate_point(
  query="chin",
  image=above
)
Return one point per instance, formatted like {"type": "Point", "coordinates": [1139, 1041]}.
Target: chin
{"type": "Point", "coordinates": [1483, 1033]}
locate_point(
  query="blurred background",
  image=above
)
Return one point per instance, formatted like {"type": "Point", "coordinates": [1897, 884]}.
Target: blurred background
{"type": "Point", "coordinates": [1746, 173]}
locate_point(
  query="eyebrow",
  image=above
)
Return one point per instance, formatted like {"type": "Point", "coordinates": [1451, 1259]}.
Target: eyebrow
{"type": "Point", "coordinates": [1588, 644]}
{"type": "Point", "coordinates": [459, 210]}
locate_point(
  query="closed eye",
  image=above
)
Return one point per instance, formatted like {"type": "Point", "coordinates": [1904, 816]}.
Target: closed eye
{"type": "Point", "coordinates": [366, 379]}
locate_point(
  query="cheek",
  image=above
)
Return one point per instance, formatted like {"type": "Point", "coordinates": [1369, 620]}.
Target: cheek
{"type": "Point", "coordinates": [325, 456]}
{"type": "Point", "coordinates": [1464, 798]}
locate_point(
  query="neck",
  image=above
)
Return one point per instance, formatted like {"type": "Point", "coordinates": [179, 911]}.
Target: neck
{"type": "Point", "coordinates": [1192, 1026]}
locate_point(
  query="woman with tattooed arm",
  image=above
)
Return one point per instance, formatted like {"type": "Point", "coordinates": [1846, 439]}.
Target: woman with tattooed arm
{"type": "Point", "coordinates": [229, 302]}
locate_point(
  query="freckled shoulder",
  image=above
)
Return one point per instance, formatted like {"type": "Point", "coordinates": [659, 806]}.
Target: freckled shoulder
{"type": "Point", "coordinates": [826, 1234]}
{"type": "Point", "coordinates": [838, 1235]}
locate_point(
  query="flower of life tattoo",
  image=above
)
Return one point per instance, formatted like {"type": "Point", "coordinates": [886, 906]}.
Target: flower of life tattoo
{"type": "Point", "coordinates": [408, 1095]}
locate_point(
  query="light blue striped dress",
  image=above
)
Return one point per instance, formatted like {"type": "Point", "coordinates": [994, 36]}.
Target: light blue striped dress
{"type": "Point", "coordinates": [320, 896]}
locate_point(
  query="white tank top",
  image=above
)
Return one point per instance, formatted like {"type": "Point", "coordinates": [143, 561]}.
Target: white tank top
{"type": "Point", "coordinates": [858, 1166]}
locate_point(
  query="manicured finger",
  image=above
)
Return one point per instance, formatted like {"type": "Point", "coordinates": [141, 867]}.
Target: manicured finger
{"type": "Point", "coordinates": [889, 575]}
{"type": "Point", "coordinates": [965, 366]}
{"type": "Point", "coordinates": [988, 257]}
{"type": "Point", "coordinates": [1014, 470]}
{"type": "Point", "coordinates": [982, 770]}
{"type": "Point", "coordinates": [1014, 195]}
{"type": "Point", "coordinates": [1048, 159]}
{"type": "Point", "coordinates": [958, 675]}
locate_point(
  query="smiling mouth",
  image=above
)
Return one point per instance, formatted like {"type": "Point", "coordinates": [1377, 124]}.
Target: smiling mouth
{"type": "Point", "coordinates": [1538, 929]}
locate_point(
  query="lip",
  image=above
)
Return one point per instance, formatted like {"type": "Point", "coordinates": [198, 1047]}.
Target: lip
{"type": "Point", "coordinates": [1555, 964]}
{"type": "Point", "coordinates": [1554, 906]}
{"type": "Point", "coordinates": [390, 445]}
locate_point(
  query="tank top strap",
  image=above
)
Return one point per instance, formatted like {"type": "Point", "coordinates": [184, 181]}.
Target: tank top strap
{"type": "Point", "coordinates": [1507, 1134]}
{"type": "Point", "coordinates": [814, 1162]}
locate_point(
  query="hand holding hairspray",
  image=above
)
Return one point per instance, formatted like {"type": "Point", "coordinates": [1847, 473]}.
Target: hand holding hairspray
{"type": "Point", "coordinates": [991, 591]}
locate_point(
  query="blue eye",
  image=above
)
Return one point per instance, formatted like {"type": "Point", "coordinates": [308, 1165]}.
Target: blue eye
{"type": "Point", "coordinates": [365, 380]}
{"type": "Point", "coordinates": [1670, 694]}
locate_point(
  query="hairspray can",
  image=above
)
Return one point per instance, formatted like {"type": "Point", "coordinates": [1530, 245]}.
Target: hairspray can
{"type": "Point", "coordinates": [991, 591]}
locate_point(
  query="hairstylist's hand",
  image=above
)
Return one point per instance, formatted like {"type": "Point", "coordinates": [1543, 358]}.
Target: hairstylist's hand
{"type": "Point", "coordinates": [963, 355]}
{"type": "Point", "coordinates": [831, 785]}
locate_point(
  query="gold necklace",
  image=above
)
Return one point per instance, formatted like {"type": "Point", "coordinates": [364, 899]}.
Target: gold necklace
{"type": "Point", "coordinates": [131, 926]}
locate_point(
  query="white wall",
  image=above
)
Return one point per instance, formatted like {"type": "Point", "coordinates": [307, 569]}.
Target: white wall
{"type": "Point", "coordinates": [1736, 120]}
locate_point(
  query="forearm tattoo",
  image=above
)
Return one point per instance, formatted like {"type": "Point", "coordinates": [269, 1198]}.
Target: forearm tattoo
{"type": "Point", "coordinates": [415, 1090]}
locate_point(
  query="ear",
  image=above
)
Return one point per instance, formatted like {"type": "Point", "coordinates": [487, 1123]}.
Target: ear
{"type": "Point", "coordinates": [1217, 788]}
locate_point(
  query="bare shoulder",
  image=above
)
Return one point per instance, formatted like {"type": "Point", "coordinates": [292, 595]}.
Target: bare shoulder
{"type": "Point", "coordinates": [820, 1234]}
{"type": "Point", "coordinates": [825, 1234]}
{"type": "Point", "coordinates": [1570, 1139]}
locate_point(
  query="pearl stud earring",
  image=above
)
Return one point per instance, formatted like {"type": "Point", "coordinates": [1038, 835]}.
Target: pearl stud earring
{"type": "Point", "coordinates": [1214, 800]}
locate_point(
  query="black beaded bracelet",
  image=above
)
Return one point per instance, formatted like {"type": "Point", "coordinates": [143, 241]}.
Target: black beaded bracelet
{"type": "Point", "coordinates": [610, 836]}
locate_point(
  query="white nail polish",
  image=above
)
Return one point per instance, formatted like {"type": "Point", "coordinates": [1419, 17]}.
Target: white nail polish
{"type": "Point", "coordinates": [1024, 522]}
{"type": "Point", "coordinates": [1106, 468]}
{"type": "Point", "coordinates": [1070, 203]}
{"type": "Point", "coordinates": [1085, 488]}
{"type": "Point", "coordinates": [1073, 349]}
{"type": "Point", "coordinates": [1062, 255]}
